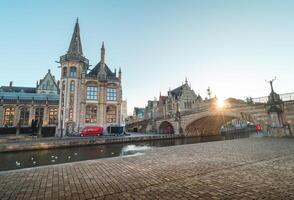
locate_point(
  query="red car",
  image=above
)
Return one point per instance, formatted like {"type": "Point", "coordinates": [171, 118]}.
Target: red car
{"type": "Point", "coordinates": [92, 130]}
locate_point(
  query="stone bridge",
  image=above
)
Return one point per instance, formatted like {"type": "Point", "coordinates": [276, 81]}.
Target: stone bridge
{"type": "Point", "coordinates": [208, 118]}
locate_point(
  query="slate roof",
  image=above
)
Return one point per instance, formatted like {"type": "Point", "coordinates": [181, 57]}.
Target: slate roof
{"type": "Point", "coordinates": [178, 91]}
{"type": "Point", "coordinates": [96, 69]}
{"type": "Point", "coordinates": [17, 89]}
{"type": "Point", "coordinates": [20, 97]}
{"type": "Point", "coordinates": [75, 47]}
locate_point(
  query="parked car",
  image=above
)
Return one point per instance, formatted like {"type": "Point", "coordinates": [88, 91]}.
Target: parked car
{"type": "Point", "coordinates": [117, 130]}
{"type": "Point", "coordinates": [92, 130]}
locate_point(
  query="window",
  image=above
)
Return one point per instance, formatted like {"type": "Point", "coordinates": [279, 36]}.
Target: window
{"type": "Point", "coordinates": [53, 115]}
{"type": "Point", "coordinates": [72, 86]}
{"type": "Point", "coordinates": [73, 72]}
{"type": "Point", "coordinates": [24, 116]}
{"type": "Point", "coordinates": [9, 116]}
{"type": "Point", "coordinates": [111, 94]}
{"type": "Point", "coordinates": [62, 93]}
{"type": "Point", "coordinates": [92, 92]}
{"type": "Point", "coordinates": [39, 114]}
{"type": "Point", "coordinates": [111, 114]}
{"type": "Point", "coordinates": [91, 114]}
{"type": "Point", "coordinates": [64, 72]}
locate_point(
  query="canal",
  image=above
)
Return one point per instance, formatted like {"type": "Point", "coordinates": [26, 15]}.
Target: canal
{"type": "Point", "coordinates": [28, 159]}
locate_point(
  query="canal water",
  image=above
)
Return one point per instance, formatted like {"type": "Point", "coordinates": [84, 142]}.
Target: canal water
{"type": "Point", "coordinates": [27, 159]}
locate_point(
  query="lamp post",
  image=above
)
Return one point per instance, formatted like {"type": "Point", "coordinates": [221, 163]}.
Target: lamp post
{"type": "Point", "coordinates": [178, 118]}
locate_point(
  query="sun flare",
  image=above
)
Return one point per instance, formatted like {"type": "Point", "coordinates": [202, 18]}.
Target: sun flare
{"type": "Point", "coordinates": [220, 103]}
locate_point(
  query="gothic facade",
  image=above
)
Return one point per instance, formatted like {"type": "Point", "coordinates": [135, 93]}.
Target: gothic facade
{"type": "Point", "coordinates": [179, 99]}
{"type": "Point", "coordinates": [87, 97]}
{"type": "Point", "coordinates": [20, 105]}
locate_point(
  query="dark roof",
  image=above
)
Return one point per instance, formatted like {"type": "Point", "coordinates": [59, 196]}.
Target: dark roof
{"type": "Point", "coordinates": [75, 47]}
{"type": "Point", "coordinates": [96, 69]}
{"type": "Point", "coordinates": [177, 92]}
{"type": "Point", "coordinates": [18, 89]}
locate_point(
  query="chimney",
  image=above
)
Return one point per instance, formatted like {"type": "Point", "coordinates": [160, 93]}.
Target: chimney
{"type": "Point", "coordinates": [10, 83]}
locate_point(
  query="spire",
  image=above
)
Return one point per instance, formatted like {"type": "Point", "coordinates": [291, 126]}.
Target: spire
{"type": "Point", "coordinates": [119, 73]}
{"type": "Point", "coordinates": [75, 47]}
{"type": "Point", "coordinates": [186, 81]}
{"type": "Point", "coordinates": [102, 53]}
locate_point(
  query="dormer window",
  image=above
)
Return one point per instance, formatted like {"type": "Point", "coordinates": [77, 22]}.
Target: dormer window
{"type": "Point", "coordinates": [73, 72]}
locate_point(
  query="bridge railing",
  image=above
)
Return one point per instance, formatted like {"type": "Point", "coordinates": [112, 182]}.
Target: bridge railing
{"type": "Point", "coordinates": [284, 97]}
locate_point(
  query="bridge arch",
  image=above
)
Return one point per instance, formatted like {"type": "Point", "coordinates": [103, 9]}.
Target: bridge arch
{"type": "Point", "coordinates": [210, 123]}
{"type": "Point", "coordinates": [166, 127]}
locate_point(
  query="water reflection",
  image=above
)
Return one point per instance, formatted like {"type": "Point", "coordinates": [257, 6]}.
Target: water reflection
{"type": "Point", "coordinates": [26, 159]}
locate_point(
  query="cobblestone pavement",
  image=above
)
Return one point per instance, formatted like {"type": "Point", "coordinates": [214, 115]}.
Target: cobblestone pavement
{"type": "Point", "coordinates": [254, 168]}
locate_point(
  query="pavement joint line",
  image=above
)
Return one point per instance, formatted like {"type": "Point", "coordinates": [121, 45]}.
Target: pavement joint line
{"type": "Point", "coordinates": [202, 174]}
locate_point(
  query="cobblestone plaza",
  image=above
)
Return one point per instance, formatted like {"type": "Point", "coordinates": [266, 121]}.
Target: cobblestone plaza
{"type": "Point", "coordinates": [254, 168]}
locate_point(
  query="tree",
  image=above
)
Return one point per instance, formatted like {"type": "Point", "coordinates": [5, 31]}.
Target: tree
{"type": "Point", "coordinates": [209, 93]}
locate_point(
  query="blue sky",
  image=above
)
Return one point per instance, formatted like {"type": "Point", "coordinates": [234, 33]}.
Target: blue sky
{"type": "Point", "coordinates": [231, 46]}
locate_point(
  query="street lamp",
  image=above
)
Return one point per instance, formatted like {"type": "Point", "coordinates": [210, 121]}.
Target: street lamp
{"type": "Point", "coordinates": [178, 119]}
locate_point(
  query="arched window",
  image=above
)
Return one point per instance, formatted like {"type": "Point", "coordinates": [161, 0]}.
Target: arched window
{"type": "Point", "coordinates": [72, 86]}
{"type": "Point", "coordinates": [9, 116]}
{"type": "Point", "coordinates": [53, 115]}
{"type": "Point", "coordinates": [91, 114]}
{"type": "Point", "coordinates": [73, 72]}
{"type": "Point", "coordinates": [64, 72]}
{"type": "Point", "coordinates": [111, 114]}
{"type": "Point", "coordinates": [39, 114]}
{"type": "Point", "coordinates": [24, 116]}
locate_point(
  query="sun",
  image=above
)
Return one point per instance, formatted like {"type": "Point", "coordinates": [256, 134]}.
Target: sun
{"type": "Point", "coordinates": [220, 103]}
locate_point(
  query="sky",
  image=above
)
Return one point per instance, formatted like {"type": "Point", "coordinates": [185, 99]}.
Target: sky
{"type": "Point", "coordinates": [230, 46]}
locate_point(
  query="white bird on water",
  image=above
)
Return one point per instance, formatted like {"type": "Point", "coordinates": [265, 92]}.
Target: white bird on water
{"type": "Point", "coordinates": [76, 154]}
{"type": "Point", "coordinates": [56, 157]}
{"type": "Point", "coordinates": [68, 157]}
{"type": "Point", "coordinates": [32, 158]}
{"type": "Point", "coordinates": [17, 163]}
{"type": "Point", "coordinates": [53, 161]}
{"type": "Point", "coordinates": [34, 162]}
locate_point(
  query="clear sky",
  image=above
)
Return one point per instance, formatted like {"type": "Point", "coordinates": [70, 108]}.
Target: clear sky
{"type": "Point", "coordinates": [231, 46]}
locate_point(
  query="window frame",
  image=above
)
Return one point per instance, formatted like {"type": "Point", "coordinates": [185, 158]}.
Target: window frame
{"type": "Point", "coordinates": [92, 92]}
{"type": "Point", "coordinates": [111, 94]}
{"type": "Point", "coordinates": [91, 114]}
{"type": "Point", "coordinates": [73, 72]}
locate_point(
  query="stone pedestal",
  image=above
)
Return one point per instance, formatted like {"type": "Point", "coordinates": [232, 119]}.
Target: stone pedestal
{"type": "Point", "coordinates": [278, 131]}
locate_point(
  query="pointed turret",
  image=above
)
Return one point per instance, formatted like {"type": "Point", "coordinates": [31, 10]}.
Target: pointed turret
{"type": "Point", "coordinates": [119, 73]}
{"type": "Point", "coordinates": [75, 51]}
{"type": "Point", "coordinates": [75, 47]}
{"type": "Point", "coordinates": [102, 55]}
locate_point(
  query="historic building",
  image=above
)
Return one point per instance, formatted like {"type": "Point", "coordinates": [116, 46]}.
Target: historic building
{"type": "Point", "coordinates": [178, 100]}
{"type": "Point", "coordinates": [87, 97]}
{"type": "Point", "coordinates": [20, 105]}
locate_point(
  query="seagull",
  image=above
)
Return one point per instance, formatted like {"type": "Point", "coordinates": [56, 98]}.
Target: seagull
{"type": "Point", "coordinates": [32, 158]}
{"type": "Point", "coordinates": [56, 157]}
{"type": "Point", "coordinates": [52, 160]}
{"type": "Point", "coordinates": [68, 157]}
{"type": "Point", "coordinates": [76, 154]}
{"type": "Point", "coordinates": [34, 162]}
{"type": "Point", "coordinates": [17, 163]}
